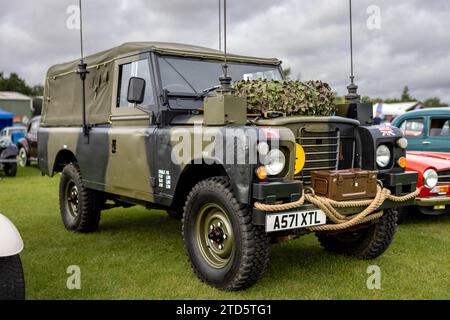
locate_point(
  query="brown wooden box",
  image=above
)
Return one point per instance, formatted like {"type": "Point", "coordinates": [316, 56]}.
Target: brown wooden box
{"type": "Point", "coordinates": [345, 185]}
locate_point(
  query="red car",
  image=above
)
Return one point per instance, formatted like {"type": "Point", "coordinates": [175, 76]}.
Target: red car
{"type": "Point", "coordinates": [434, 177]}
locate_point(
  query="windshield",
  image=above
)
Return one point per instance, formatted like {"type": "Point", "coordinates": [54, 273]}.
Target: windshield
{"type": "Point", "coordinates": [194, 76]}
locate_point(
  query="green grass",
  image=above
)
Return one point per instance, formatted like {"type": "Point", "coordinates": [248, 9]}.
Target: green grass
{"type": "Point", "coordinates": [138, 254]}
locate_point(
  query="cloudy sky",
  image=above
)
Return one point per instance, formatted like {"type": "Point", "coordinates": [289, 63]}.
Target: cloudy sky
{"type": "Point", "coordinates": [408, 45]}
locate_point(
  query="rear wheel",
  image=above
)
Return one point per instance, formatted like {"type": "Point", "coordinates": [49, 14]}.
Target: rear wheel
{"type": "Point", "coordinates": [223, 246]}
{"type": "Point", "coordinates": [365, 244]}
{"type": "Point", "coordinates": [80, 206]}
{"type": "Point", "coordinates": [12, 284]}
{"type": "Point", "coordinates": [11, 168]}
{"type": "Point", "coordinates": [23, 157]}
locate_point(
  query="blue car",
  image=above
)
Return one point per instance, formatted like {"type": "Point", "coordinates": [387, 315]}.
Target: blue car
{"type": "Point", "coordinates": [13, 134]}
{"type": "Point", "coordinates": [426, 129]}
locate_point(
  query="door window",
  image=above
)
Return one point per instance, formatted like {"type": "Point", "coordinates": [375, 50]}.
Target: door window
{"type": "Point", "coordinates": [439, 128]}
{"type": "Point", "coordinates": [412, 128]}
{"type": "Point", "coordinates": [140, 69]}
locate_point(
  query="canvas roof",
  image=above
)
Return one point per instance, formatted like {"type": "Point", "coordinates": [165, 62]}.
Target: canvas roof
{"type": "Point", "coordinates": [177, 49]}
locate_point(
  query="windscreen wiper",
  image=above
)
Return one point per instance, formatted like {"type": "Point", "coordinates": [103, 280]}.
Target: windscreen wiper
{"type": "Point", "coordinates": [179, 73]}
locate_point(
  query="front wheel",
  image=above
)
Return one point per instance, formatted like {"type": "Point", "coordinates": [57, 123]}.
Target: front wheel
{"type": "Point", "coordinates": [364, 244]}
{"type": "Point", "coordinates": [12, 283]}
{"type": "Point", "coordinates": [223, 246]}
{"type": "Point", "coordinates": [23, 157]}
{"type": "Point", "coordinates": [80, 206]}
{"type": "Point", "coordinates": [11, 169]}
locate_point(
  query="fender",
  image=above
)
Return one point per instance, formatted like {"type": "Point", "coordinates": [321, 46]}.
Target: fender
{"type": "Point", "coordinates": [11, 242]}
{"type": "Point", "coordinates": [9, 151]}
{"type": "Point", "coordinates": [23, 143]}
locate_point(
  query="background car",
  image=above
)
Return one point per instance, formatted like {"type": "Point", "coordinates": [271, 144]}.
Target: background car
{"type": "Point", "coordinates": [426, 129]}
{"type": "Point", "coordinates": [28, 144]}
{"type": "Point", "coordinates": [434, 177]}
{"type": "Point", "coordinates": [8, 157]}
{"type": "Point", "coordinates": [14, 134]}
{"type": "Point", "coordinates": [12, 283]}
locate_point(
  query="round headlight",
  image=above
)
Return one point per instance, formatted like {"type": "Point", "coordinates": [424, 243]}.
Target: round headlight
{"type": "Point", "coordinates": [383, 156]}
{"type": "Point", "coordinates": [402, 143]}
{"type": "Point", "coordinates": [275, 162]}
{"type": "Point", "coordinates": [430, 178]}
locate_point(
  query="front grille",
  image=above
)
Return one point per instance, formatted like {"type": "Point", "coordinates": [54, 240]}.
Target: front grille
{"type": "Point", "coordinates": [321, 150]}
{"type": "Point", "coordinates": [444, 176]}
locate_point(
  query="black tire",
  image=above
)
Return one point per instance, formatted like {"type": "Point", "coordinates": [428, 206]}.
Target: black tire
{"type": "Point", "coordinates": [12, 283]}
{"type": "Point", "coordinates": [11, 169]}
{"type": "Point", "coordinates": [364, 244]}
{"type": "Point", "coordinates": [250, 254]}
{"type": "Point", "coordinates": [22, 156]}
{"type": "Point", "coordinates": [80, 212]}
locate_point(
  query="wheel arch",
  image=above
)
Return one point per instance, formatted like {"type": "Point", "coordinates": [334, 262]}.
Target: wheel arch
{"type": "Point", "coordinates": [63, 157]}
{"type": "Point", "coordinates": [190, 176]}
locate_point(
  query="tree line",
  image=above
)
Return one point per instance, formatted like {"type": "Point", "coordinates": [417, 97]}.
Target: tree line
{"type": "Point", "coordinates": [15, 83]}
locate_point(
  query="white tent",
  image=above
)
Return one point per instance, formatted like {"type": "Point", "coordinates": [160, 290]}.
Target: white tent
{"type": "Point", "coordinates": [393, 109]}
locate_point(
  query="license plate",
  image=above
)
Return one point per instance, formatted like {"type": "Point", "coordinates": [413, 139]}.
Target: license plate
{"type": "Point", "coordinates": [295, 220]}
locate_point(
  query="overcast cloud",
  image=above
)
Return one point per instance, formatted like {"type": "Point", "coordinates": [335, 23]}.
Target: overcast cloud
{"type": "Point", "coordinates": [411, 48]}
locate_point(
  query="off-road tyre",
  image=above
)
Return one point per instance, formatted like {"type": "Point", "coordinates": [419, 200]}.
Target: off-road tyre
{"type": "Point", "coordinates": [12, 283]}
{"type": "Point", "coordinates": [11, 169]}
{"type": "Point", "coordinates": [250, 256]}
{"type": "Point", "coordinates": [87, 217]}
{"type": "Point", "coordinates": [364, 244]}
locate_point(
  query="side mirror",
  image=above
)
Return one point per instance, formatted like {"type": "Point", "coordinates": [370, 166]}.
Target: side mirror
{"type": "Point", "coordinates": [136, 90]}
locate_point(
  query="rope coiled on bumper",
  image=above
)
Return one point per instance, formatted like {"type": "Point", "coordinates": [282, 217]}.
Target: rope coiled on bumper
{"type": "Point", "coordinates": [328, 206]}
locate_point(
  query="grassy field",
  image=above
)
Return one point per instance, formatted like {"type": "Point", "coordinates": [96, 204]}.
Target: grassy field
{"type": "Point", "coordinates": [138, 254]}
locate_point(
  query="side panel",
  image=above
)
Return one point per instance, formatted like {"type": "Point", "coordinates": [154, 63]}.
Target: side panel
{"type": "Point", "coordinates": [92, 157]}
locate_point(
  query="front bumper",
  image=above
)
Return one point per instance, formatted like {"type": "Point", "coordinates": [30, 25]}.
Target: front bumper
{"type": "Point", "coordinates": [9, 161]}
{"type": "Point", "coordinates": [432, 201]}
{"type": "Point", "coordinates": [290, 191]}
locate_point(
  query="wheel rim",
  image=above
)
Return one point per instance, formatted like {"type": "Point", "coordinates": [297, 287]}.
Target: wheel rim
{"type": "Point", "coordinates": [22, 157]}
{"type": "Point", "coordinates": [214, 234]}
{"type": "Point", "coordinates": [72, 199]}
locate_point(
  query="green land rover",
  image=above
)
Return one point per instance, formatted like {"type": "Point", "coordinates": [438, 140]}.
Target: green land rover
{"type": "Point", "coordinates": [161, 131]}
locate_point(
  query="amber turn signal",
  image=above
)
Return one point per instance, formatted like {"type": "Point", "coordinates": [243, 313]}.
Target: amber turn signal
{"type": "Point", "coordinates": [261, 172]}
{"type": "Point", "coordinates": [402, 162]}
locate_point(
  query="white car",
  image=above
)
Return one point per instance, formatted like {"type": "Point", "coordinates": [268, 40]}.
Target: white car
{"type": "Point", "coordinates": [12, 283]}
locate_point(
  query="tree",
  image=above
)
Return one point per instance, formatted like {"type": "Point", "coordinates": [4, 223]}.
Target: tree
{"type": "Point", "coordinates": [406, 97]}
{"type": "Point", "coordinates": [287, 73]}
{"type": "Point", "coordinates": [434, 103]}
{"type": "Point", "coordinates": [17, 84]}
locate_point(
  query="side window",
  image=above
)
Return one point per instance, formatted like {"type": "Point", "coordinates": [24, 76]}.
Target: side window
{"type": "Point", "coordinates": [412, 128]}
{"type": "Point", "coordinates": [138, 69]}
{"type": "Point", "coordinates": [439, 128]}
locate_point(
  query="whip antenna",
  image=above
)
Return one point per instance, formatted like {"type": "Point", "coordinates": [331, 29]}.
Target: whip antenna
{"type": "Point", "coordinates": [82, 71]}
{"type": "Point", "coordinates": [220, 25]}
{"type": "Point", "coordinates": [352, 87]}
{"type": "Point", "coordinates": [225, 80]}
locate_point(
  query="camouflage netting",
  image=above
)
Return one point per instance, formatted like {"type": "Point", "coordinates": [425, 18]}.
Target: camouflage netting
{"type": "Point", "coordinates": [287, 96]}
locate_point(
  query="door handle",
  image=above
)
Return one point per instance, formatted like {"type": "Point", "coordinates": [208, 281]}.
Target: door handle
{"type": "Point", "coordinates": [426, 142]}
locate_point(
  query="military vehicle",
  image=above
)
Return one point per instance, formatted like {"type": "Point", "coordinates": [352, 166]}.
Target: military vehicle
{"type": "Point", "coordinates": [143, 98]}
